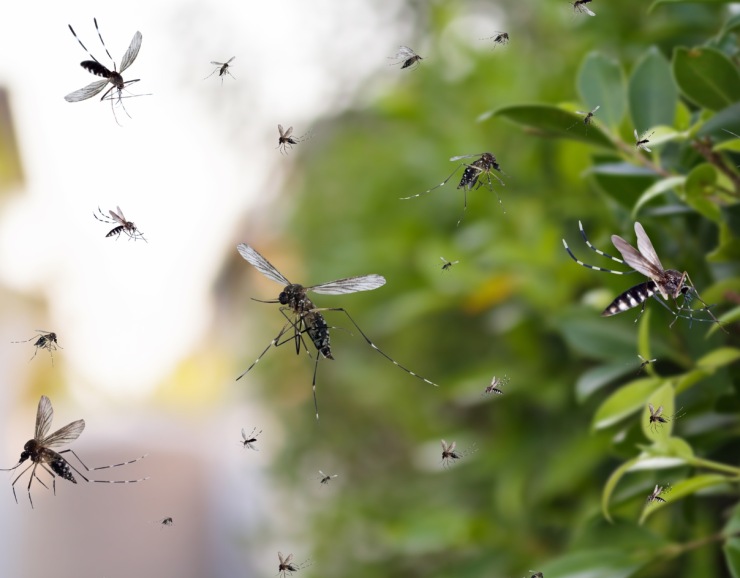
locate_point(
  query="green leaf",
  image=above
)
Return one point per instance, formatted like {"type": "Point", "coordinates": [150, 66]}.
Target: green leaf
{"type": "Point", "coordinates": [682, 489]}
{"type": "Point", "coordinates": [601, 83]}
{"type": "Point", "coordinates": [659, 2]}
{"type": "Point", "coordinates": [700, 184]}
{"type": "Point", "coordinates": [664, 396]}
{"type": "Point", "coordinates": [690, 379]}
{"type": "Point", "coordinates": [651, 92]}
{"type": "Point", "coordinates": [657, 189]}
{"type": "Point", "coordinates": [624, 182]}
{"type": "Point", "coordinates": [732, 555]}
{"type": "Point", "coordinates": [601, 562]}
{"type": "Point", "coordinates": [706, 77]}
{"type": "Point", "coordinates": [627, 400]}
{"type": "Point", "coordinates": [611, 483]}
{"type": "Point", "coordinates": [726, 119]}
{"type": "Point", "coordinates": [731, 316]}
{"type": "Point", "coordinates": [719, 358]}
{"type": "Point", "coordinates": [599, 376]}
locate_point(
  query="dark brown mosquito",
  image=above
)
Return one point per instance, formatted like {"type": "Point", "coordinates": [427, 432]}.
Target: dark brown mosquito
{"type": "Point", "coordinates": [656, 418]}
{"type": "Point", "coordinates": [326, 478]}
{"type": "Point", "coordinates": [406, 57]}
{"type": "Point", "coordinates": [500, 38]}
{"type": "Point", "coordinates": [164, 522]}
{"type": "Point", "coordinates": [668, 284]}
{"type": "Point", "coordinates": [285, 140]}
{"type": "Point", "coordinates": [657, 492]}
{"type": "Point", "coordinates": [645, 363]}
{"type": "Point", "coordinates": [587, 117]}
{"type": "Point", "coordinates": [580, 6]}
{"type": "Point", "coordinates": [39, 451]}
{"type": "Point", "coordinates": [496, 384]}
{"type": "Point", "coordinates": [471, 177]}
{"type": "Point", "coordinates": [121, 225]}
{"type": "Point", "coordinates": [115, 92]}
{"type": "Point", "coordinates": [248, 440]}
{"type": "Point", "coordinates": [303, 317]}
{"type": "Point", "coordinates": [44, 340]}
{"type": "Point", "coordinates": [450, 454]}
{"type": "Point", "coordinates": [287, 566]}
{"type": "Point", "coordinates": [642, 141]}
{"type": "Point", "coordinates": [222, 68]}
{"type": "Point", "coordinates": [448, 264]}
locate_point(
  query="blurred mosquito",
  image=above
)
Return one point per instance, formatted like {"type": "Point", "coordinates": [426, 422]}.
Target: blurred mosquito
{"type": "Point", "coordinates": [39, 451]}
{"type": "Point", "coordinates": [406, 57]}
{"type": "Point", "coordinates": [536, 574]}
{"type": "Point", "coordinates": [448, 264]}
{"type": "Point", "coordinates": [657, 492]}
{"type": "Point", "coordinates": [222, 68]}
{"type": "Point", "coordinates": [500, 38]}
{"type": "Point", "coordinates": [121, 225]}
{"type": "Point", "coordinates": [44, 340]}
{"type": "Point", "coordinates": [580, 6]}
{"type": "Point", "coordinates": [303, 317]}
{"type": "Point", "coordinates": [588, 118]}
{"type": "Point", "coordinates": [286, 141]}
{"type": "Point", "coordinates": [471, 177]}
{"type": "Point", "coordinates": [248, 441]}
{"type": "Point", "coordinates": [449, 454]}
{"type": "Point", "coordinates": [669, 284]}
{"type": "Point", "coordinates": [164, 522]}
{"type": "Point", "coordinates": [286, 566]}
{"type": "Point", "coordinates": [326, 478]}
{"type": "Point", "coordinates": [642, 141]}
{"type": "Point", "coordinates": [657, 418]}
{"type": "Point", "coordinates": [645, 362]}
{"type": "Point", "coordinates": [496, 384]}
{"type": "Point", "coordinates": [115, 92]}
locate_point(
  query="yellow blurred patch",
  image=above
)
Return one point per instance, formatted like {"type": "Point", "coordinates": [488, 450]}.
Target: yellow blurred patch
{"type": "Point", "coordinates": [492, 291]}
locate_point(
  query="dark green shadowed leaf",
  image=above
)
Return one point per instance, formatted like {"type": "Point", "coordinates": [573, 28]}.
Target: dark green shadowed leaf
{"type": "Point", "coordinates": [706, 77]}
{"type": "Point", "coordinates": [700, 186]}
{"type": "Point", "coordinates": [601, 83]}
{"type": "Point", "coordinates": [651, 92]}
{"type": "Point", "coordinates": [659, 2]}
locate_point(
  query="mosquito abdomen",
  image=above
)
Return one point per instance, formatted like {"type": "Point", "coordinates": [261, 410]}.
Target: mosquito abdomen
{"type": "Point", "coordinates": [631, 298]}
{"type": "Point", "coordinates": [318, 331]}
{"type": "Point", "coordinates": [61, 468]}
{"type": "Point", "coordinates": [95, 68]}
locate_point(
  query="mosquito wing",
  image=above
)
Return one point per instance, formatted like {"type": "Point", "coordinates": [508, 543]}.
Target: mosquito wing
{"type": "Point", "coordinates": [230, 60]}
{"type": "Point", "coordinates": [287, 133]}
{"type": "Point", "coordinates": [349, 285]}
{"type": "Point", "coordinates": [636, 259]}
{"type": "Point", "coordinates": [88, 92]}
{"type": "Point", "coordinates": [646, 247]}
{"type": "Point", "coordinates": [244, 435]}
{"type": "Point", "coordinates": [587, 11]}
{"type": "Point", "coordinates": [63, 436]}
{"type": "Point", "coordinates": [132, 52]}
{"type": "Point", "coordinates": [44, 415]}
{"type": "Point", "coordinates": [217, 63]}
{"type": "Point", "coordinates": [467, 156]}
{"type": "Point", "coordinates": [404, 52]}
{"type": "Point", "coordinates": [660, 410]}
{"type": "Point", "coordinates": [261, 264]}
{"type": "Point", "coordinates": [118, 216]}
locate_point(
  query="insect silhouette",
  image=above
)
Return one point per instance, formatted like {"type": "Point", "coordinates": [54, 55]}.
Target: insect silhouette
{"type": "Point", "coordinates": [115, 92]}
{"type": "Point", "coordinates": [406, 57]}
{"type": "Point", "coordinates": [642, 141]}
{"type": "Point", "coordinates": [580, 6]}
{"type": "Point", "coordinates": [587, 119]}
{"type": "Point", "coordinates": [536, 574]}
{"type": "Point", "coordinates": [657, 418]}
{"type": "Point", "coordinates": [657, 492]}
{"type": "Point", "coordinates": [248, 441]}
{"type": "Point", "coordinates": [645, 362]}
{"type": "Point", "coordinates": [165, 522]}
{"type": "Point", "coordinates": [222, 68]}
{"type": "Point", "coordinates": [325, 478]}
{"type": "Point", "coordinates": [285, 140]}
{"type": "Point", "coordinates": [448, 264]}
{"type": "Point", "coordinates": [450, 454]}
{"type": "Point", "coordinates": [287, 566]}
{"type": "Point", "coordinates": [121, 225]}
{"type": "Point", "coordinates": [471, 177]}
{"type": "Point", "coordinates": [668, 284]}
{"type": "Point", "coordinates": [44, 340]}
{"type": "Point", "coordinates": [303, 317]}
{"type": "Point", "coordinates": [39, 451]}
{"type": "Point", "coordinates": [500, 38]}
{"type": "Point", "coordinates": [496, 384]}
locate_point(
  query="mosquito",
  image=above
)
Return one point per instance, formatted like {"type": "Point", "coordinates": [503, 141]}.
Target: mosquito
{"type": "Point", "coordinates": [449, 454]}
{"type": "Point", "coordinates": [580, 6]}
{"type": "Point", "coordinates": [588, 118]}
{"type": "Point", "coordinates": [165, 522]}
{"type": "Point", "coordinates": [669, 284]}
{"type": "Point", "coordinates": [39, 451]}
{"type": "Point", "coordinates": [657, 492]}
{"type": "Point", "coordinates": [657, 418]}
{"type": "Point", "coordinates": [303, 317]}
{"type": "Point", "coordinates": [325, 478]}
{"type": "Point", "coordinates": [44, 340]}
{"type": "Point", "coordinates": [495, 386]}
{"type": "Point", "coordinates": [222, 68]}
{"type": "Point", "coordinates": [645, 362]}
{"type": "Point", "coordinates": [286, 141]}
{"type": "Point", "coordinates": [471, 177]}
{"type": "Point", "coordinates": [642, 141]}
{"type": "Point", "coordinates": [408, 57]}
{"type": "Point", "coordinates": [286, 566]}
{"type": "Point", "coordinates": [537, 574]}
{"type": "Point", "coordinates": [115, 92]}
{"type": "Point", "coordinates": [121, 225]}
{"type": "Point", "coordinates": [448, 264]}
{"type": "Point", "coordinates": [500, 38]}
{"type": "Point", "coordinates": [248, 441]}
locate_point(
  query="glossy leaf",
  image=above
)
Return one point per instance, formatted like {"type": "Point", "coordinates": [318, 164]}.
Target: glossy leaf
{"type": "Point", "coordinates": [706, 77]}
{"type": "Point", "coordinates": [700, 185]}
{"type": "Point", "coordinates": [719, 358]}
{"type": "Point", "coordinates": [601, 83]}
{"type": "Point", "coordinates": [651, 92]}
{"type": "Point", "coordinates": [660, 187]}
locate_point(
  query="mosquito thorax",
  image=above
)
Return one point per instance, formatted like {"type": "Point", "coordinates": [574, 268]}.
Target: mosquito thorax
{"type": "Point", "coordinates": [673, 283]}
{"type": "Point", "coordinates": [30, 447]}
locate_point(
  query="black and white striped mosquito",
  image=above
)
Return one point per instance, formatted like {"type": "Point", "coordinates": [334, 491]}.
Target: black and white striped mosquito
{"type": "Point", "coordinates": [44, 340]}
{"type": "Point", "coordinates": [471, 177]}
{"type": "Point", "coordinates": [249, 440]}
{"type": "Point", "coordinates": [644, 363]}
{"type": "Point", "coordinates": [447, 265]}
{"type": "Point", "coordinates": [406, 57]}
{"type": "Point", "coordinates": [39, 451]}
{"type": "Point", "coordinates": [222, 68]}
{"type": "Point", "coordinates": [303, 317]}
{"type": "Point", "coordinates": [285, 140]}
{"type": "Point", "coordinates": [580, 6]}
{"type": "Point", "coordinates": [115, 92]}
{"type": "Point", "coordinates": [588, 117]}
{"type": "Point", "coordinates": [657, 492]}
{"type": "Point", "coordinates": [450, 454]}
{"type": "Point", "coordinates": [496, 384]}
{"type": "Point", "coordinates": [121, 225]}
{"type": "Point", "coordinates": [326, 478]}
{"type": "Point", "coordinates": [642, 141]}
{"type": "Point", "coordinates": [286, 565]}
{"type": "Point", "coordinates": [668, 284]}
{"type": "Point", "coordinates": [500, 38]}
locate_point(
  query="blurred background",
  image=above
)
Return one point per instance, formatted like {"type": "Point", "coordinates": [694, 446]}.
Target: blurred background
{"type": "Point", "coordinates": [152, 335]}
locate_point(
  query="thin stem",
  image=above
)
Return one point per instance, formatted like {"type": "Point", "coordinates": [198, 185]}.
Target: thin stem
{"type": "Point", "coordinates": [704, 148]}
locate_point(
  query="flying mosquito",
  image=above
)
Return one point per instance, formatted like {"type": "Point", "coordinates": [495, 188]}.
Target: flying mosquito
{"type": "Point", "coordinates": [669, 284]}
{"type": "Point", "coordinates": [115, 92]}
{"type": "Point", "coordinates": [248, 441]}
{"type": "Point", "coordinates": [496, 384]}
{"type": "Point", "coordinates": [449, 454]}
{"type": "Point", "coordinates": [121, 225]}
{"type": "Point", "coordinates": [164, 522]}
{"type": "Point", "coordinates": [39, 451]}
{"type": "Point", "coordinates": [448, 264]}
{"type": "Point", "coordinates": [406, 57]}
{"type": "Point", "coordinates": [500, 38]}
{"type": "Point", "coordinates": [536, 574]}
{"type": "Point", "coordinates": [588, 118]}
{"type": "Point", "coordinates": [286, 566]}
{"type": "Point", "coordinates": [642, 141]}
{"type": "Point", "coordinates": [326, 478]}
{"type": "Point", "coordinates": [657, 492]}
{"type": "Point", "coordinates": [645, 362]}
{"type": "Point", "coordinates": [471, 177]}
{"type": "Point", "coordinates": [222, 68]}
{"type": "Point", "coordinates": [580, 6]}
{"type": "Point", "coordinates": [285, 140]}
{"type": "Point", "coordinates": [44, 340]}
{"type": "Point", "coordinates": [657, 418]}
{"type": "Point", "coordinates": [303, 317]}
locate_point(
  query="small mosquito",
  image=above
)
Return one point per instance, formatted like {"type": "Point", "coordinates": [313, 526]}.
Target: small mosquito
{"type": "Point", "coordinates": [580, 6]}
{"type": "Point", "coordinates": [495, 386]}
{"type": "Point", "coordinates": [500, 38]}
{"type": "Point", "coordinates": [449, 454]}
{"type": "Point", "coordinates": [165, 522]}
{"type": "Point", "coordinates": [44, 340]}
{"type": "Point", "coordinates": [249, 440]}
{"type": "Point", "coordinates": [669, 284]}
{"type": "Point", "coordinates": [657, 492]}
{"type": "Point", "coordinates": [588, 118]}
{"type": "Point", "coordinates": [121, 225]}
{"type": "Point", "coordinates": [39, 451]}
{"type": "Point", "coordinates": [536, 574]}
{"type": "Point", "coordinates": [286, 566]}
{"type": "Point", "coordinates": [222, 68]}
{"type": "Point", "coordinates": [408, 57]}
{"type": "Point", "coordinates": [326, 478]}
{"type": "Point", "coordinates": [448, 264]}
{"type": "Point", "coordinates": [115, 92]}
{"type": "Point", "coordinates": [303, 317]}
{"type": "Point", "coordinates": [645, 362]}
{"type": "Point", "coordinates": [642, 141]}
{"type": "Point", "coordinates": [657, 418]}
{"type": "Point", "coordinates": [471, 177]}
{"type": "Point", "coordinates": [285, 140]}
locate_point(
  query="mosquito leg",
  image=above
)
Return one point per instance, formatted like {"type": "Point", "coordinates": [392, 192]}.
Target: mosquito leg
{"type": "Point", "coordinates": [313, 385]}
{"type": "Point", "coordinates": [442, 184]}
{"type": "Point", "coordinates": [104, 468]}
{"type": "Point", "coordinates": [599, 251]}
{"type": "Point", "coordinates": [101, 41]}
{"type": "Point", "coordinates": [269, 345]}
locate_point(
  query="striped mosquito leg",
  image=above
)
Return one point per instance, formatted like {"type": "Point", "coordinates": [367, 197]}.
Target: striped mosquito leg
{"type": "Point", "coordinates": [632, 298]}
{"type": "Point", "coordinates": [582, 264]}
{"type": "Point", "coordinates": [269, 345]}
{"type": "Point", "coordinates": [104, 468]}
{"type": "Point", "coordinates": [101, 41]}
{"type": "Point", "coordinates": [442, 184]}
{"type": "Point", "coordinates": [600, 252]}
{"type": "Point", "coordinates": [80, 41]}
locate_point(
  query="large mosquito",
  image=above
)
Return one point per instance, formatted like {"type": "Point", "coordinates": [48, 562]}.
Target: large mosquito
{"type": "Point", "coordinates": [471, 177]}
{"type": "Point", "coordinates": [657, 492]}
{"type": "Point", "coordinates": [44, 340]}
{"type": "Point", "coordinates": [115, 92]}
{"type": "Point", "coordinates": [406, 57]}
{"type": "Point", "coordinates": [580, 6]}
{"type": "Point", "coordinates": [669, 284]}
{"type": "Point", "coordinates": [222, 68]}
{"type": "Point", "coordinates": [303, 317]}
{"type": "Point", "coordinates": [641, 141]}
{"type": "Point", "coordinates": [39, 451]}
{"type": "Point", "coordinates": [286, 565]}
{"type": "Point", "coordinates": [588, 117]}
{"type": "Point", "coordinates": [249, 440]}
{"type": "Point", "coordinates": [121, 225]}
{"type": "Point", "coordinates": [285, 140]}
